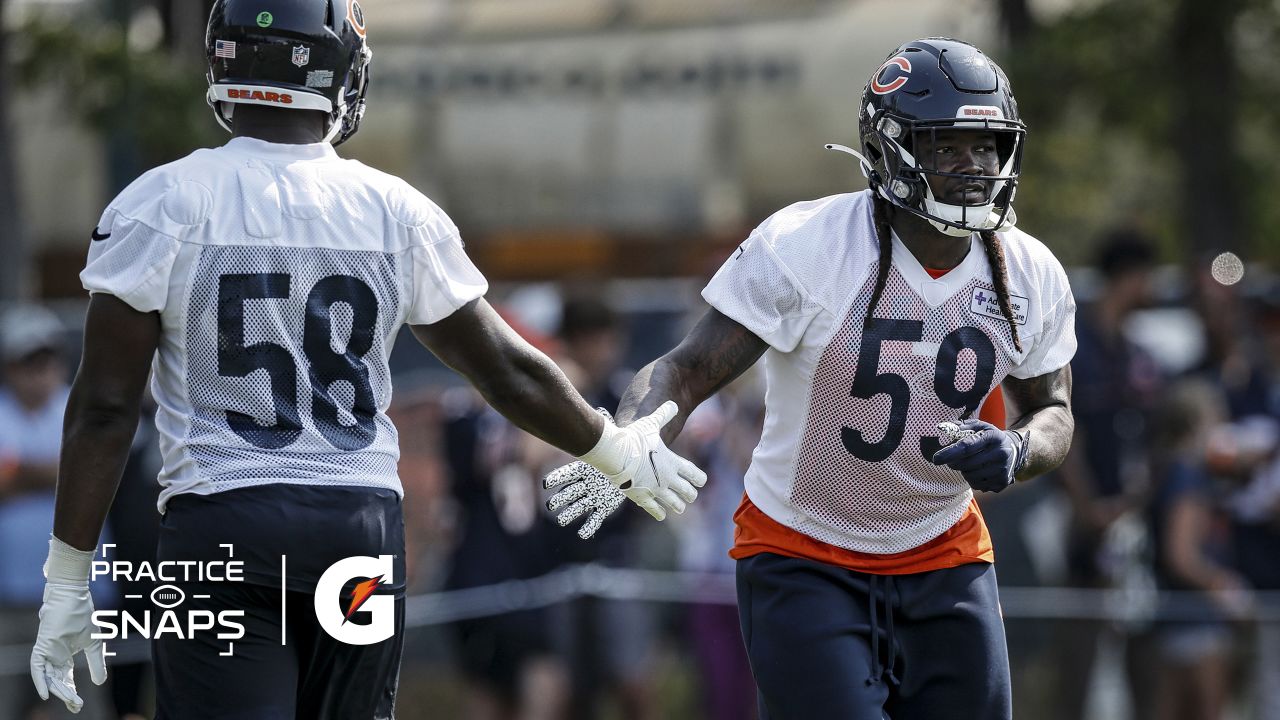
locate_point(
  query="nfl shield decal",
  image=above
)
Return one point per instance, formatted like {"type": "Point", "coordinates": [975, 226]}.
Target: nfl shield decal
{"type": "Point", "coordinates": [301, 55]}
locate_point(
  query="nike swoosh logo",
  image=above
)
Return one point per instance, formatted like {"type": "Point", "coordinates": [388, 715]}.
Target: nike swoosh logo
{"type": "Point", "coordinates": [97, 237]}
{"type": "Point", "coordinates": [741, 250]}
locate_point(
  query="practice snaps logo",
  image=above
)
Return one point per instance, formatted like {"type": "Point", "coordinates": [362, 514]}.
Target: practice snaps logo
{"type": "Point", "coordinates": [167, 617]}
{"type": "Point", "coordinates": [336, 616]}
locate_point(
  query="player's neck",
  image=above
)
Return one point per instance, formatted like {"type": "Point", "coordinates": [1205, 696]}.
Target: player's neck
{"type": "Point", "coordinates": [931, 248]}
{"type": "Point", "coordinates": [274, 125]}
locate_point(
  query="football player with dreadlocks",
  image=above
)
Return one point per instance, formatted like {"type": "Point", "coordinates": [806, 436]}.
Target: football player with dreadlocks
{"type": "Point", "coordinates": [267, 280]}
{"type": "Point", "coordinates": [886, 318]}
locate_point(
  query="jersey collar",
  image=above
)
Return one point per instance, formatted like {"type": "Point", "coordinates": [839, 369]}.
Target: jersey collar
{"type": "Point", "coordinates": [935, 292]}
{"type": "Point", "coordinates": [281, 152]}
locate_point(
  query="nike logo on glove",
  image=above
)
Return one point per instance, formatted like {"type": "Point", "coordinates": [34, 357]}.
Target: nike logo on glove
{"type": "Point", "coordinates": [96, 236]}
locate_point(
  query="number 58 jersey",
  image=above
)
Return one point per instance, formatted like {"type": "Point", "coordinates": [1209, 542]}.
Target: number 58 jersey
{"type": "Point", "coordinates": [282, 274]}
{"type": "Point", "coordinates": [852, 405]}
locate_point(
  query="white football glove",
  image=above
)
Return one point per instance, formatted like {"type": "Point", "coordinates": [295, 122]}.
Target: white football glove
{"type": "Point", "coordinates": [587, 489]}
{"type": "Point", "coordinates": [636, 461]}
{"type": "Point", "coordinates": [66, 627]}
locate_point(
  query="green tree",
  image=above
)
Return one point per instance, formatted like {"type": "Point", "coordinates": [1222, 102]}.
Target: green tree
{"type": "Point", "coordinates": [147, 103]}
{"type": "Point", "coordinates": [1139, 110]}
{"type": "Point", "coordinates": [13, 237]}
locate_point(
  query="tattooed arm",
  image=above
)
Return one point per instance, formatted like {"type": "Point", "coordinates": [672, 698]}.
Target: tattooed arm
{"type": "Point", "coordinates": [1043, 406]}
{"type": "Point", "coordinates": [714, 353]}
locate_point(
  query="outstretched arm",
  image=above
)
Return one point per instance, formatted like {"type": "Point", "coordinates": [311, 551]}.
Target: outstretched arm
{"type": "Point", "coordinates": [712, 355]}
{"type": "Point", "coordinates": [513, 376]}
{"type": "Point", "coordinates": [532, 392]}
{"type": "Point", "coordinates": [1043, 404]}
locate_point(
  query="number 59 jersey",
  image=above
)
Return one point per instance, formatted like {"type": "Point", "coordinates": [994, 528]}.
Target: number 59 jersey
{"type": "Point", "coordinates": [282, 274]}
{"type": "Point", "coordinates": [852, 406]}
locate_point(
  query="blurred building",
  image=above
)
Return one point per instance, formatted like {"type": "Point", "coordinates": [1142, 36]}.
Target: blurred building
{"type": "Point", "coordinates": [611, 137]}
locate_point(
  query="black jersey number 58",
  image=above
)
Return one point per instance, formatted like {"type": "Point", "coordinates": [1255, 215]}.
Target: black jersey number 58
{"type": "Point", "coordinates": [869, 382]}
{"type": "Point", "coordinates": [326, 366]}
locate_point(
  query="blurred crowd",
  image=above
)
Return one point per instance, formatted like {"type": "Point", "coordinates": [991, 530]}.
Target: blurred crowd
{"type": "Point", "coordinates": [1172, 485]}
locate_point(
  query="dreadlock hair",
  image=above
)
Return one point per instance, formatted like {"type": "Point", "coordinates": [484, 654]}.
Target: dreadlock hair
{"type": "Point", "coordinates": [881, 212]}
{"type": "Point", "coordinates": [1000, 278]}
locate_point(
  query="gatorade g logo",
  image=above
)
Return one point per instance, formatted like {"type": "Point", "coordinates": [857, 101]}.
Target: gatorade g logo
{"type": "Point", "coordinates": [334, 614]}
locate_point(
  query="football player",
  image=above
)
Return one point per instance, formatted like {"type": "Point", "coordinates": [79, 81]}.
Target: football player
{"type": "Point", "coordinates": [267, 279]}
{"type": "Point", "coordinates": [886, 318]}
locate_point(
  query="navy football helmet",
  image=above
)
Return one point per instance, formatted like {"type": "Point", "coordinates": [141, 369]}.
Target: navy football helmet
{"type": "Point", "coordinates": [296, 54]}
{"type": "Point", "coordinates": [925, 86]}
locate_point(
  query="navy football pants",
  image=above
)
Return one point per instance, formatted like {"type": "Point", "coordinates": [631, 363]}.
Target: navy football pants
{"type": "Point", "coordinates": [826, 642]}
{"type": "Point", "coordinates": [312, 675]}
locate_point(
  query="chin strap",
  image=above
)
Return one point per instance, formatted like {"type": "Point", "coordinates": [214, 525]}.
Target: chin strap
{"type": "Point", "coordinates": [1010, 219]}
{"type": "Point", "coordinates": [993, 224]}
{"type": "Point", "coordinates": [951, 230]}
{"type": "Point", "coordinates": [337, 122]}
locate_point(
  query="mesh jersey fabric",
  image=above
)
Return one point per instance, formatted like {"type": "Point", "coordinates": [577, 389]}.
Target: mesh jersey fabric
{"type": "Point", "coordinates": [282, 274]}
{"type": "Point", "coordinates": [851, 414]}
{"type": "Point", "coordinates": [968, 541]}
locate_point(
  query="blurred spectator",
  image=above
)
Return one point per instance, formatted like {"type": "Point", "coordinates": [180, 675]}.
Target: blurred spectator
{"type": "Point", "coordinates": [501, 533]}
{"type": "Point", "coordinates": [31, 407]}
{"type": "Point", "coordinates": [592, 336]}
{"type": "Point", "coordinates": [1256, 506]}
{"type": "Point", "coordinates": [507, 660]}
{"type": "Point", "coordinates": [721, 434]}
{"type": "Point", "coordinates": [1231, 359]}
{"type": "Point", "coordinates": [1104, 476]}
{"type": "Point", "coordinates": [1191, 552]}
{"type": "Point", "coordinates": [1239, 361]}
{"type": "Point", "coordinates": [610, 643]}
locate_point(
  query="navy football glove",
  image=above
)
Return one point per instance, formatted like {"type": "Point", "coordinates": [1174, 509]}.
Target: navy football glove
{"type": "Point", "coordinates": [989, 458]}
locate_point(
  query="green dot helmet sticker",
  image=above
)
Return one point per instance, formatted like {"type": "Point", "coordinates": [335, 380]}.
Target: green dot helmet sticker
{"type": "Point", "coordinates": [265, 19]}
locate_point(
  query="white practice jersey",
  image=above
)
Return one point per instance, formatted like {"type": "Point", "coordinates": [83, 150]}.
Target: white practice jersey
{"type": "Point", "coordinates": [852, 414]}
{"type": "Point", "coordinates": [282, 274]}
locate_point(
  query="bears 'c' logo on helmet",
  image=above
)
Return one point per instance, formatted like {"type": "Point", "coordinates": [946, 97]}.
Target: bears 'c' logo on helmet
{"type": "Point", "coordinates": [355, 14]}
{"type": "Point", "coordinates": [903, 66]}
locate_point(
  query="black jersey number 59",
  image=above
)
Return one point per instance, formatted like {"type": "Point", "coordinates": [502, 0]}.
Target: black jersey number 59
{"type": "Point", "coordinates": [869, 382]}
{"type": "Point", "coordinates": [326, 366]}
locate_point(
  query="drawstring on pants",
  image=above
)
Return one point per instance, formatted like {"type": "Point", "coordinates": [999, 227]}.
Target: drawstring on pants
{"type": "Point", "coordinates": [877, 669]}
